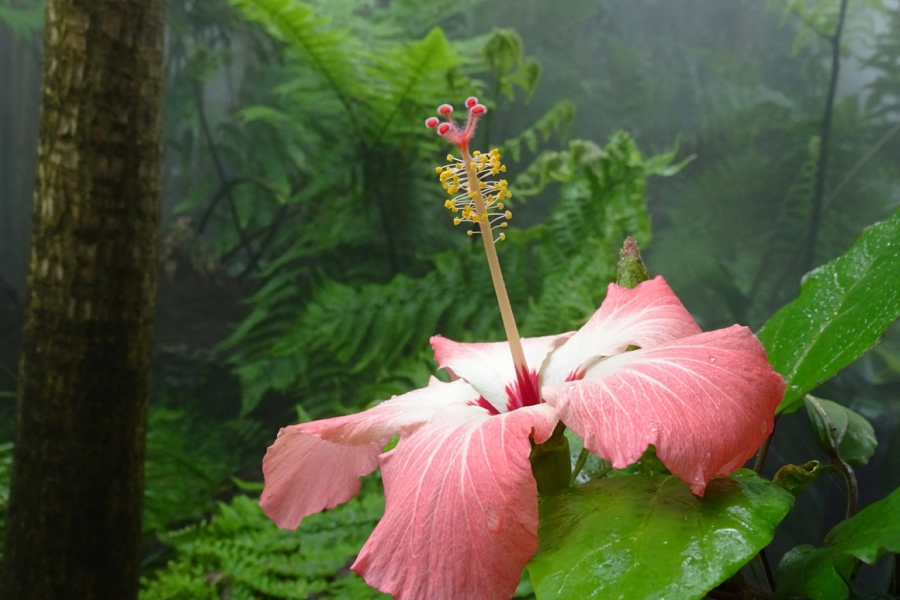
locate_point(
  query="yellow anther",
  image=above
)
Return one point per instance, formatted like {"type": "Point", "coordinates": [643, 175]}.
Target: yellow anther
{"type": "Point", "coordinates": [456, 221]}
{"type": "Point", "coordinates": [450, 157]}
{"type": "Point", "coordinates": [508, 214]}
{"type": "Point", "coordinates": [500, 206]}
{"type": "Point", "coordinates": [476, 153]}
{"type": "Point", "coordinates": [504, 224]}
{"type": "Point", "coordinates": [484, 217]}
{"type": "Point", "coordinates": [503, 168]}
{"type": "Point", "coordinates": [470, 232]}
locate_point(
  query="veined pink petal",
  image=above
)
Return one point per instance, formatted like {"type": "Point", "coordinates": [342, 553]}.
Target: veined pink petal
{"type": "Point", "coordinates": [646, 316]}
{"type": "Point", "coordinates": [317, 465]}
{"type": "Point", "coordinates": [461, 516]}
{"type": "Point", "coordinates": [488, 367]}
{"type": "Point", "coordinates": [706, 402]}
{"type": "Point", "coordinates": [305, 474]}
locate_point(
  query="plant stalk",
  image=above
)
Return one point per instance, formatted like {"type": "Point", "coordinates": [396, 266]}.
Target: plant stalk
{"type": "Point", "coordinates": [825, 138]}
{"type": "Point", "coordinates": [487, 236]}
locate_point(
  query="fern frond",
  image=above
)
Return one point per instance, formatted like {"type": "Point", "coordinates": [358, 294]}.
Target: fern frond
{"type": "Point", "coordinates": [410, 77]}
{"type": "Point", "coordinates": [332, 52]}
{"type": "Point", "coordinates": [602, 200]}
{"type": "Point", "coordinates": [240, 553]}
{"type": "Point", "coordinates": [555, 121]}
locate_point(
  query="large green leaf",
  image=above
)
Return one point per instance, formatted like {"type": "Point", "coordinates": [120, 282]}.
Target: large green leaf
{"type": "Point", "coordinates": [648, 536]}
{"type": "Point", "coordinates": [843, 309]}
{"type": "Point", "coordinates": [822, 573]}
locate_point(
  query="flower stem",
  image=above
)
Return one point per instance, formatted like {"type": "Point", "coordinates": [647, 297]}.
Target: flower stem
{"type": "Point", "coordinates": [579, 464]}
{"type": "Point", "coordinates": [487, 236]}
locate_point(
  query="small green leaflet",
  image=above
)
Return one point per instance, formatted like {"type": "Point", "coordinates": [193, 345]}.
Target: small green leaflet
{"type": "Point", "coordinates": [822, 573]}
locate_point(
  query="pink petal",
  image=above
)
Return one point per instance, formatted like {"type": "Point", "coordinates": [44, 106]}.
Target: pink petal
{"type": "Point", "coordinates": [645, 316]}
{"type": "Point", "coordinates": [706, 402]}
{"type": "Point", "coordinates": [317, 465]}
{"type": "Point", "coordinates": [489, 367]}
{"type": "Point", "coordinates": [461, 517]}
{"type": "Point", "coordinates": [305, 474]}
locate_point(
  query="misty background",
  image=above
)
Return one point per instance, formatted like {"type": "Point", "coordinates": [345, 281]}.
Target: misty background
{"type": "Point", "coordinates": [306, 253]}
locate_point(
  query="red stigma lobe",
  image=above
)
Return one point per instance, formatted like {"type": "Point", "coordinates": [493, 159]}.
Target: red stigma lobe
{"type": "Point", "coordinates": [456, 135]}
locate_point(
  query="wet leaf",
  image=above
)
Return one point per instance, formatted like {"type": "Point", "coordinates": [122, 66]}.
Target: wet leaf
{"type": "Point", "coordinates": [794, 479]}
{"type": "Point", "coordinates": [594, 467]}
{"type": "Point", "coordinates": [841, 431]}
{"type": "Point", "coordinates": [822, 573]}
{"type": "Point", "coordinates": [843, 309]}
{"type": "Point", "coordinates": [648, 536]}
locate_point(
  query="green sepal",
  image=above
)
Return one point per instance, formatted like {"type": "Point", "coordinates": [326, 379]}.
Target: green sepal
{"type": "Point", "coordinates": [630, 270]}
{"type": "Point", "coordinates": [551, 462]}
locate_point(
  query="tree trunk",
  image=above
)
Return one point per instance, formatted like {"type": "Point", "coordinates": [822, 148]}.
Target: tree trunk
{"type": "Point", "coordinates": [74, 519]}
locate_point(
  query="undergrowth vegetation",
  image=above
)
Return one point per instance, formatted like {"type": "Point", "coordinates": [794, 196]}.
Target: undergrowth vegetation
{"type": "Point", "coordinates": [299, 166]}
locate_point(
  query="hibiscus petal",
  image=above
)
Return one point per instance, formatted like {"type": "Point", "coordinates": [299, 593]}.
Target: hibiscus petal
{"type": "Point", "coordinates": [461, 516]}
{"type": "Point", "coordinates": [488, 367]}
{"type": "Point", "coordinates": [646, 316]}
{"type": "Point", "coordinates": [305, 474]}
{"type": "Point", "coordinates": [706, 402]}
{"type": "Point", "coordinates": [317, 465]}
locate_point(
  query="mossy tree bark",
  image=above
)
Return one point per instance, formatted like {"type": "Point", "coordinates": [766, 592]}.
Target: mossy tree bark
{"type": "Point", "coordinates": [74, 519]}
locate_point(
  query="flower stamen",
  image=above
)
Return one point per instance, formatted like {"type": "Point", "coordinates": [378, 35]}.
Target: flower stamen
{"type": "Point", "coordinates": [479, 200]}
{"type": "Point", "coordinates": [455, 179]}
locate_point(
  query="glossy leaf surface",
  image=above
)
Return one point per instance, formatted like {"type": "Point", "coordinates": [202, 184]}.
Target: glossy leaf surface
{"type": "Point", "coordinates": [821, 573]}
{"type": "Point", "coordinates": [840, 430]}
{"type": "Point", "coordinates": [648, 536]}
{"type": "Point", "coordinates": [843, 309]}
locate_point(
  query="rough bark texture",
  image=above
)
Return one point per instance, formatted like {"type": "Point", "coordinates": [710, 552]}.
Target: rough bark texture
{"type": "Point", "coordinates": [74, 521]}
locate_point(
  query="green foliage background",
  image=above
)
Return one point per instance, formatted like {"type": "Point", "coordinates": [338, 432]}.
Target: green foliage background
{"type": "Point", "coordinates": [301, 195]}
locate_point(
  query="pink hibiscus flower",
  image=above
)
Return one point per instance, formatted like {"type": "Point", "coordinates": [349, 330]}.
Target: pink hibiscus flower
{"type": "Point", "coordinates": [461, 513]}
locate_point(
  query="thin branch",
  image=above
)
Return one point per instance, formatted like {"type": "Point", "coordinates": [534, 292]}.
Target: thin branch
{"type": "Point", "coordinates": [763, 452]}
{"type": "Point", "coordinates": [812, 26]}
{"type": "Point", "coordinates": [825, 138]}
{"type": "Point", "coordinates": [861, 163]}
{"type": "Point", "coordinates": [852, 487]}
{"type": "Point", "coordinates": [895, 580]}
{"type": "Point", "coordinates": [214, 201]}
{"type": "Point", "coordinates": [767, 569]}
{"type": "Point", "coordinates": [270, 232]}
{"type": "Point", "coordinates": [220, 169]}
